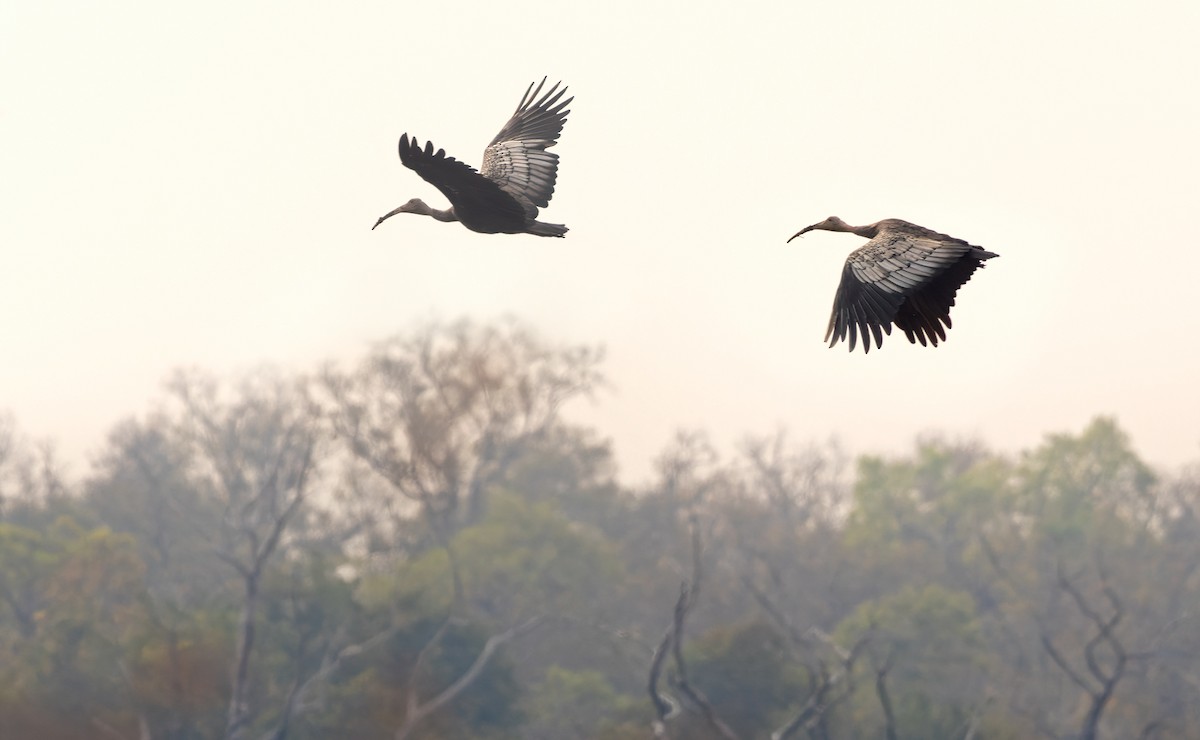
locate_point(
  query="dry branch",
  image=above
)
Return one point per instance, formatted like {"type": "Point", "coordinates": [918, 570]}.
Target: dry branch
{"type": "Point", "coordinates": [672, 642]}
{"type": "Point", "coordinates": [1100, 682]}
{"type": "Point", "coordinates": [417, 710]}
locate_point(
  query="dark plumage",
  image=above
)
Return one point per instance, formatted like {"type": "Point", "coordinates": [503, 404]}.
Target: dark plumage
{"type": "Point", "coordinates": [517, 176]}
{"type": "Point", "coordinates": [906, 274]}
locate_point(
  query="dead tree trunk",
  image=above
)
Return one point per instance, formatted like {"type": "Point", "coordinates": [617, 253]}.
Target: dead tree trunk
{"type": "Point", "coordinates": [672, 643]}
{"type": "Point", "coordinates": [255, 456]}
{"type": "Point", "coordinates": [885, 699]}
{"type": "Point", "coordinates": [1101, 680]}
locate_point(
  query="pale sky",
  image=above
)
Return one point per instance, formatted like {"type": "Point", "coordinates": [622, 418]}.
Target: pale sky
{"type": "Point", "coordinates": [194, 184]}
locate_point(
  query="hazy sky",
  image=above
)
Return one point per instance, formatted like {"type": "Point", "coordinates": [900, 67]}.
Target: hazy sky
{"type": "Point", "coordinates": [194, 184]}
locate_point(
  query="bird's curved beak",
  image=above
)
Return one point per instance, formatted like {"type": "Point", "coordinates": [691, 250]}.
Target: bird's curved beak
{"type": "Point", "coordinates": [805, 230]}
{"type": "Point", "coordinates": [386, 216]}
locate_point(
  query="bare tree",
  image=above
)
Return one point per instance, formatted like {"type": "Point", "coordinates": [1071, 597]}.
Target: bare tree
{"type": "Point", "coordinates": [828, 686]}
{"type": "Point", "coordinates": [805, 486]}
{"type": "Point", "coordinates": [30, 473]}
{"type": "Point", "coordinates": [442, 415]}
{"type": "Point", "coordinates": [256, 455]}
{"type": "Point", "coordinates": [141, 485]}
{"type": "Point", "coordinates": [885, 700]}
{"type": "Point", "coordinates": [672, 644]}
{"type": "Point", "coordinates": [1103, 673]}
{"type": "Point", "coordinates": [30, 478]}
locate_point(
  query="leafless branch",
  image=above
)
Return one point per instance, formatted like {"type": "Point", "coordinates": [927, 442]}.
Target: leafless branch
{"type": "Point", "coordinates": [256, 456]}
{"type": "Point", "coordinates": [885, 699]}
{"type": "Point", "coordinates": [781, 620]}
{"type": "Point", "coordinates": [1062, 663]}
{"type": "Point", "coordinates": [298, 702]}
{"type": "Point", "coordinates": [823, 682]}
{"type": "Point", "coordinates": [664, 708]}
{"type": "Point", "coordinates": [1101, 681]}
{"type": "Point", "coordinates": [1107, 678]}
{"type": "Point", "coordinates": [823, 698]}
{"type": "Point", "coordinates": [687, 599]}
{"type": "Point", "coordinates": [673, 641]}
{"type": "Point", "coordinates": [418, 711]}
{"type": "Point", "coordinates": [410, 701]}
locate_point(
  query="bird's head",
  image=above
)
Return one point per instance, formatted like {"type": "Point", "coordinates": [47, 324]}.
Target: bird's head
{"type": "Point", "coordinates": [833, 223]}
{"type": "Point", "coordinates": [416, 205]}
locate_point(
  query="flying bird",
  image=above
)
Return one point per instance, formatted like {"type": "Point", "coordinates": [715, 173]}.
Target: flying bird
{"type": "Point", "coordinates": [517, 176]}
{"type": "Point", "coordinates": [906, 274]}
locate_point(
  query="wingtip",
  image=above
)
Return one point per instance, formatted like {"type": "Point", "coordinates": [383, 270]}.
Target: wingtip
{"type": "Point", "coordinates": [406, 145]}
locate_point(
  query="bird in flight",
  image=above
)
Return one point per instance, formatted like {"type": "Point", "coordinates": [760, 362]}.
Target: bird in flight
{"type": "Point", "coordinates": [517, 176]}
{"type": "Point", "coordinates": [906, 274]}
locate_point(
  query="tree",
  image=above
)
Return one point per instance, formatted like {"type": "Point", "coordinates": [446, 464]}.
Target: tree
{"type": "Point", "coordinates": [575, 705]}
{"type": "Point", "coordinates": [142, 484]}
{"type": "Point", "coordinates": [442, 415]}
{"type": "Point", "coordinates": [924, 645]}
{"type": "Point", "coordinates": [1083, 503]}
{"type": "Point", "coordinates": [66, 668]}
{"type": "Point", "coordinates": [255, 457]}
{"type": "Point", "coordinates": [30, 474]}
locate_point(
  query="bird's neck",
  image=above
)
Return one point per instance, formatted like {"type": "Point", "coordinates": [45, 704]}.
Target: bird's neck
{"type": "Point", "coordinates": [869, 231]}
{"type": "Point", "coordinates": [416, 205]}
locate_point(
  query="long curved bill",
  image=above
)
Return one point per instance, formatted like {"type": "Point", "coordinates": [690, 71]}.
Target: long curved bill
{"type": "Point", "coordinates": [805, 230]}
{"type": "Point", "coordinates": [386, 216]}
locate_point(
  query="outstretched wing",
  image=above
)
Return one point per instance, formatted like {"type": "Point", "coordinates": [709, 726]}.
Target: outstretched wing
{"type": "Point", "coordinates": [921, 315]}
{"type": "Point", "coordinates": [903, 278]}
{"type": "Point", "coordinates": [517, 160]}
{"type": "Point", "coordinates": [468, 191]}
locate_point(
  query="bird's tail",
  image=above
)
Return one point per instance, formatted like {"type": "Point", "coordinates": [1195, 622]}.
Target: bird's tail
{"type": "Point", "coordinates": [545, 229]}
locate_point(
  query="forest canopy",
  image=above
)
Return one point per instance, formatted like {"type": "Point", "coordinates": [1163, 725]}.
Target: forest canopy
{"type": "Point", "coordinates": [418, 545]}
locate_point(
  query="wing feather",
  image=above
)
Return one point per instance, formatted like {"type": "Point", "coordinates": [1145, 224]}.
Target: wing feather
{"type": "Point", "coordinates": [517, 160]}
{"type": "Point", "coordinates": [861, 305]}
{"type": "Point", "coordinates": [472, 194]}
{"type": "Point", "coordinates": [908, 277]}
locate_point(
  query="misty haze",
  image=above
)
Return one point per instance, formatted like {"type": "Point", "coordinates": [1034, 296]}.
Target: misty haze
{"type": "Point", "coordinates": [417, 544]}
{"type": "Point", "coordinates": [267, 473]}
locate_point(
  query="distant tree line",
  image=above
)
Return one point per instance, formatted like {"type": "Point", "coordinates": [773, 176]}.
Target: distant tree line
{"type": "Point", "coordinates": [418, 546]}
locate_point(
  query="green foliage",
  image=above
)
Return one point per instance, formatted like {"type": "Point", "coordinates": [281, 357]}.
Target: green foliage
{"type": "Point", "coordinates": [75, 607]}
{"type": "Point", "coordinates": [928, 642]}
{"type": "Point", "coordinates": [1082, 490]}
{"type": "Point", "coordinates": [576, 705]}
{"type": "Point", "coordinates": [749, 675]}
{"type": "Point", "coordinates": [945, 573]}
{"type": "Point", "coordinates": [527, 558]}
{"type": "Point", "coordinates": [923, 503]}
{"type": "Point", "coordinates": [521, 559]}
